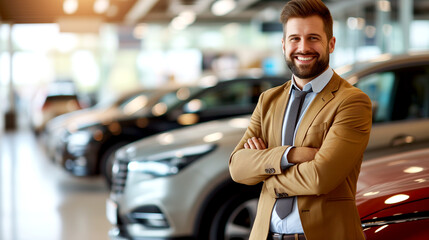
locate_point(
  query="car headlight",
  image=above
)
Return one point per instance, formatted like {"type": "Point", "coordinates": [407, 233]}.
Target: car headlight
{"type": "Point", "coordinates": [77, 140]}
{"type": "Point", "coordinates": [170, 162]}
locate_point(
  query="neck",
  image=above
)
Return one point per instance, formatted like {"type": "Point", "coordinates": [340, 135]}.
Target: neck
{"type": "Point", "coordinates": [300, 82]}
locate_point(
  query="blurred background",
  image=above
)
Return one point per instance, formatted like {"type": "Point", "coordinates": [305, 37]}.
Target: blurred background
{"type": "Point", "coordinates": [92, 51]}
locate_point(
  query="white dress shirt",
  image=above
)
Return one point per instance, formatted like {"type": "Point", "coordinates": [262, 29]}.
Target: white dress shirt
{"type": "Point", "coordinates": [292, 223]}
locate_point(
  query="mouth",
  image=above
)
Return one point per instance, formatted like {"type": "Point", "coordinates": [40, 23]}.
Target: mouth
{"type": "Point", "coordinates": [305, 59]}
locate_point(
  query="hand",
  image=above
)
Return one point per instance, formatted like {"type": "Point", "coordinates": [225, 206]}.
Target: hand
{"type": "Point", "coordinates": [301, 154]}
{"type": "Point", "coordinates": [255, 143]}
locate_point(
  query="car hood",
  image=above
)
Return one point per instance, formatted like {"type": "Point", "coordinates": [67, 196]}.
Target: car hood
{"type": "Point", "coordinates": [203, 133]}
{"type": "Point", "coordinates": [86, 117]}
{"type": "Point", "coordinates": [393, 182]}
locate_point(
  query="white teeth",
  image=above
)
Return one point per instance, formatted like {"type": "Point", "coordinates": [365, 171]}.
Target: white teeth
{"type": "Point", "coordinates": [304, 58]}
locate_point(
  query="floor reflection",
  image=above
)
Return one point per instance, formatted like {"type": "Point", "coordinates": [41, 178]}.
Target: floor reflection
{"type": "Point", "coordinates": [39, 200]}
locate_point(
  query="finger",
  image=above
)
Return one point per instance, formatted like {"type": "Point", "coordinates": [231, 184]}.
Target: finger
{"type": "Point", "coordinates": [256, 143]}
{"type": "Point", "coordinates": [261, 142]}
{"type": "Point", "coordinates": [246, 146]}
{"type": "Point", "coordinates": [251, 144]}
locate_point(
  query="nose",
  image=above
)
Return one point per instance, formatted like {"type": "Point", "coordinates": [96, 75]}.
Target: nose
{"type": "Point", "coordinates": [304, 46]}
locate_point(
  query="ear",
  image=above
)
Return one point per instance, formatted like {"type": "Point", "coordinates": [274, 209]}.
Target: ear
{"type": "Point", "coordinates": [283, 45]}
{"type": "Point", "coordinates": [332, 44]}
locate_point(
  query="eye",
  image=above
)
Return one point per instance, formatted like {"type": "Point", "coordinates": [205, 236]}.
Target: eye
{"type": "Point", "coordinates": [294, 39]}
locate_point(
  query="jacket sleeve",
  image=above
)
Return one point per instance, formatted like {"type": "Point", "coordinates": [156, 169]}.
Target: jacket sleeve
{"type": "Point", "coordinates": [341, 152]}
{"type": "Point", "coordinates": [250, 166]}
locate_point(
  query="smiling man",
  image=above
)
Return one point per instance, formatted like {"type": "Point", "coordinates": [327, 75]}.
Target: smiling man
{"type": "Point", "coordinates": [306, 139]}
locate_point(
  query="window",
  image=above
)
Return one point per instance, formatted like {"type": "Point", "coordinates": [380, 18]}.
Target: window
{"type": "Point", "coordinates": [379, 88]}
{"type": "Point", "coordinates": [399, 94]}
{"type": "Point", "coordinates": [236, 94]}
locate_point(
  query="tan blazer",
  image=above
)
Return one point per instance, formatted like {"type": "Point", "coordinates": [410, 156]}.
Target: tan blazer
{"type": "Point", "coordinates": [338, 121]}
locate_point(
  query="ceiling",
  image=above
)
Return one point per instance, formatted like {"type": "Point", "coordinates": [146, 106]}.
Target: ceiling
{"type": "Point", "coordinates": [126, 11]}
{"type": "Point", "coordinates": [135, 11]}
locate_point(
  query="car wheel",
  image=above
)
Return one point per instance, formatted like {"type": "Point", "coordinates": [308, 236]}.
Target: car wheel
{"type": "Point", "coordinates": [234, 219]}
{"type": "Point", "coordinates": [107, 160]}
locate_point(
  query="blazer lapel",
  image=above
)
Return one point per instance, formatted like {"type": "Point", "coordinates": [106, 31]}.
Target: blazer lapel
{"type": "Point", "coordinates": [280, 110]}
{"type": "Point", "coordinates": [319, 102]}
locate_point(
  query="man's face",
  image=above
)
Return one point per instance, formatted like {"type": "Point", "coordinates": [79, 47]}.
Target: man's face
{"type": "Point", "coordinates": [306, 47]}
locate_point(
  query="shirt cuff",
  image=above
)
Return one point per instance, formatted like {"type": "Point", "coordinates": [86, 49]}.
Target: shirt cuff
{"type": "Point", "coordinates": [285, 163]}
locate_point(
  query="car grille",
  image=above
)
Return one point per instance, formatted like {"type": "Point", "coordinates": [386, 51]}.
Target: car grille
{"type": "Point", "coordinates": [119, 175]}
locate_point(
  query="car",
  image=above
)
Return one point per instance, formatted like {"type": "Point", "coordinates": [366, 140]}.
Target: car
{"type": "Point", "coordinates": [177, 184]}
{"type": "Point", "coordinates": [398, 87]}
{"type": "Point", "coordinates": [393, 196]}
{"type": "Point", "coordinates": [57, 98]}
{"type": "Point", "coordinates": [161, 180]}
{"type": "Point", "coordinates": [89, 150]}
{"type": "Point", "coordinates": [118, 105]}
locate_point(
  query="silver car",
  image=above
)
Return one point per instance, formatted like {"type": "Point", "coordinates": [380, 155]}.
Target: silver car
{"type": "Point", "coordinates": [177, 184]}
{"type": "Point", "coordinates": [181, 186]}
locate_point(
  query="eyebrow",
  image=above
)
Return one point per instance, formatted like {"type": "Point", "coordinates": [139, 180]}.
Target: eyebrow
{"type": "Point", "coordinates": [311, 34]}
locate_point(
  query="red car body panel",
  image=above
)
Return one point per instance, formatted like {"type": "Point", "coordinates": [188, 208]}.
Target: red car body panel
{"type": "Point", "coordinates": [404, 177]}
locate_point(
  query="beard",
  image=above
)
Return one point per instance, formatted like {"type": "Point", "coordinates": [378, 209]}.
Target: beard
{"type": "Point", "coordinates": [308, 71]}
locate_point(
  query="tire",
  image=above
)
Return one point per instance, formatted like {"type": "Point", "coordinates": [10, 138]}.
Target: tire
{"type": "Point", "coordinates": [106, 162]}
{"type": "Point", "coordinates": [234, 218]}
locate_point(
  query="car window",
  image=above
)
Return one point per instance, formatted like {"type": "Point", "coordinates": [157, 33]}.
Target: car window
{"type": "Point", "coordinates": [236, 94]}
{"type": "Point", "coordinates": [399, 94]}
{"type": "Point", "coordinates": [412, 95]}
{"type": "Point", "coordinates": [379, 88]}
{"type": "Point", "coordinates": [239, 95]}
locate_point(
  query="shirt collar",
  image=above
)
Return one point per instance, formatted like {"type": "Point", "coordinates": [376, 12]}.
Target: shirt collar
{"type": "Point", "coordinates": [319, 82]}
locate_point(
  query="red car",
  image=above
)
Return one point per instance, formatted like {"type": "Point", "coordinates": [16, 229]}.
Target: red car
{"type": "Point", "coordinates": [393, 196]}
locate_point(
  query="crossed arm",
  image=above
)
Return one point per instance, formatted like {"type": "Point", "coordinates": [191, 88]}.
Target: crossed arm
{"type": "Point", "coordinates": [295, 155]}
{"type": "Point", "coordinates": [315, 171]}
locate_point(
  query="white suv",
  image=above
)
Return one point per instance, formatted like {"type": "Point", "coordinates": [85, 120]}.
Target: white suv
{"type": "Point", "coordinates": [180, 186]}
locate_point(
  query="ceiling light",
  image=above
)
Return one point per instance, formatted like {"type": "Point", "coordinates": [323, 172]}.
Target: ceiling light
{"type": "Point", "coordinates": [370, 31]}
{"type": "Point", "coordinates": [140, 30]}
{"type": "Point", "coordinates": [101, 6]}
{"type": "Point", "coordinates": [384, 6]}
{"type": "Point", "coordinates": [223, 7]}
{"type": "Point", "coordinates": [70, 6]}
{"type": "Point", "coordinates": [184, 19]}
{"type": "Point", "coordinates": [352, 23]}
{"type": "Point", "coordinates": [188, 17]}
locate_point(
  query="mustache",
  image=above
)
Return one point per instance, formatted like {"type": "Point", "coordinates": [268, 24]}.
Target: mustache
{"type": "Point", "coordinates": [305, 54]}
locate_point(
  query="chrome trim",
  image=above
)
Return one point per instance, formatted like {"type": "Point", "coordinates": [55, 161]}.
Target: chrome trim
{"type": "Point", "coordinates": [394, 221]}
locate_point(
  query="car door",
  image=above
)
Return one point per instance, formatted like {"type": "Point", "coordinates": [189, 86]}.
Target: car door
{"type": "Point", "coordinates": [400, 100]}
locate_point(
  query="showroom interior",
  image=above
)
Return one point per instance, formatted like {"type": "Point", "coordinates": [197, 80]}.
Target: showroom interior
{"type": "Point", "coordinates": [103, 49]}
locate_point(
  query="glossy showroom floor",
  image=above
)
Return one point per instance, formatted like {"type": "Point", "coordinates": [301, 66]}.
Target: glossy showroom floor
{"type": "Point", "coordinates": [40, 201]}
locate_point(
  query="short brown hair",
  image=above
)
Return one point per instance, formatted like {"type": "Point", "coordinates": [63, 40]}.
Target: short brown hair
{"type": "Point", "coordinates": [308, 8]}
